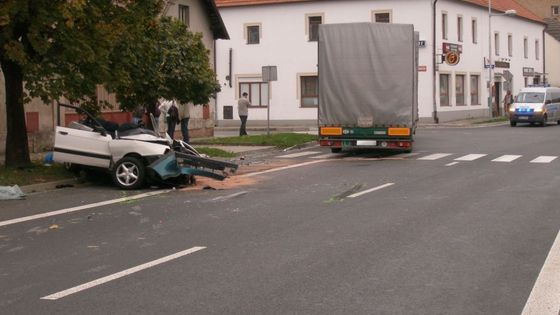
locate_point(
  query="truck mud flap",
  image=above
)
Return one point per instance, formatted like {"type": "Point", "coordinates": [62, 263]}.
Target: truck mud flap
{"type": "Point", "coordinates": [174, 164]}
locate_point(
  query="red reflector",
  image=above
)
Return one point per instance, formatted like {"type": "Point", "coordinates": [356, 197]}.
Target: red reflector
{"type": "Point", "coordinates": [330, 143]}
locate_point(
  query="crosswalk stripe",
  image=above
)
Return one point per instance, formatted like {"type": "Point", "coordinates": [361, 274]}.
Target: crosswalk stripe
{"type": "Point", "coordinates": [470, 157]}
{"type": "Point", "coordinates": [433, 157]}
{"type": "Point", "coordinates": [300, 154]}
{"type": "Point", "coordinates": [544, 159]}
{"type": "Point", "coordinates": [506, 158]}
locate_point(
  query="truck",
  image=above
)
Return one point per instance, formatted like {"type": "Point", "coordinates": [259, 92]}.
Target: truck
{"type": "Point", "coordinates": [368, 86]}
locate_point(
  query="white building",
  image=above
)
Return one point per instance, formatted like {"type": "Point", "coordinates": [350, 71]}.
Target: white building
{"type": "Point", "coordinates": [282, 33]}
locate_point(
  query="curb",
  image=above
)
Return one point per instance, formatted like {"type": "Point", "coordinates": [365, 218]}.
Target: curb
{"type": "Point", "coordinates": [34, 188]}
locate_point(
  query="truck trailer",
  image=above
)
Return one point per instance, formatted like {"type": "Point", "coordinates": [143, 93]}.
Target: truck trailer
{"type": "Point", "coordinates": [368, 86]}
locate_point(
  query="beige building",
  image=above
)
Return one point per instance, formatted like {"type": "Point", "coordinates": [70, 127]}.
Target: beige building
{"type": "Point", "coordinates": [199, 15]}
{"type": "Point", "coordinates": [549, 10]}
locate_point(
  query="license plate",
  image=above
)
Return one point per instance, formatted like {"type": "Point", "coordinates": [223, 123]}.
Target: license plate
{"type": "Point", "coordinates": [523, 117]}
{"type": "Point", "coordinates": [366, 142]}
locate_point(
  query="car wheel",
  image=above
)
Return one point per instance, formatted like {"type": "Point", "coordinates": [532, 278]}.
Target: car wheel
{"type": "Point", "coordinates": [73, 168]}
{"type": "Point", "coordinates": [544, 121]}
{"type": "Point", "coordinates": [558, 122]}
{"type": "Point", "coordinates": [129, 173]}
{"type": "Point", "coordinates": [513, 123]}
{"type": "Point", "coordinates": [336, 150]}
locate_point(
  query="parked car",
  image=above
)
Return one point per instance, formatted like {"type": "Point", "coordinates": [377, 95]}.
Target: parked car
{"type": "Point", "coordinates": [133, 155]}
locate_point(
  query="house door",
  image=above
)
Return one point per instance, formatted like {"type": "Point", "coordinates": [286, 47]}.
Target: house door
{"type": "Point", "coordinates": [496, 111]}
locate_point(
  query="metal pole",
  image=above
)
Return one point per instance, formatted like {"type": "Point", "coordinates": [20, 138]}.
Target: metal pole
{"type": "Point", "coordinates": [268, 111]}
{"type": "Point", "coordinates": [490, 78]}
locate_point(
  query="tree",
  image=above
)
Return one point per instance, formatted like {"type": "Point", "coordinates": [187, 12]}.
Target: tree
{"type": "Point", "coordinates": [162, 59]}
{"type": "Point", "coordinates": [59, 48]}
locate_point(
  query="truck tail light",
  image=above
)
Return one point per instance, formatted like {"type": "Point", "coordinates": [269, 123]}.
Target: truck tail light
{"type": "Point", "coordinates": [330, 143]}
{"type": "Point", "coordinates": [331, 131]}
{"type": "Point", "coordinates": [398, 132]}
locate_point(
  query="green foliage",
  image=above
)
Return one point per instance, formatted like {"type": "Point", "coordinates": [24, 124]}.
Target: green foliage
{"type": "Point", "coordinates": [280, 140]}
{"type": "Point", "coordinates": [162, 59]}
{"type": "Point", "coordinates": [215, 152]}
{"type": "Point", "coordinates": [36, 174]}
{"type": "Point", "coordinates": [63, 47]}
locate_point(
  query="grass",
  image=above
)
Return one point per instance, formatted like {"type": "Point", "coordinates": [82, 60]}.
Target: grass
{"type": "Point", "coordinates": [213, 152]}
{"type": "Point", "coordinates": [36, 174]}
{"type": "Point", "coordinates": [280, 140]}
{"type": "Point", "coordinates": [493, 120]}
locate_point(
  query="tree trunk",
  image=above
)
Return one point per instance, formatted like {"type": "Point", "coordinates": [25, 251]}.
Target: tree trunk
{"type": "Point", "coordinates": [17, 148]}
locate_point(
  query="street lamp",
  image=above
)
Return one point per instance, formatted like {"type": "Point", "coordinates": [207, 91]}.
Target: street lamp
{"type": "Point", "coordinates": [490, 74]}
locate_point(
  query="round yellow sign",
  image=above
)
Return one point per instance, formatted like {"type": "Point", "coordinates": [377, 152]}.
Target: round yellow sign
{"type": "Point", "coordinates": [452, 58]}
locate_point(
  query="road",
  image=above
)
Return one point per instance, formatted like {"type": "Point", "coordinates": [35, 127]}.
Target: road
{"type": "Point", "coordinates": [463, 225]}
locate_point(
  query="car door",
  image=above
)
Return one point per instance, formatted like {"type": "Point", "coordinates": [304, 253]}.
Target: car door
{"type": "Point", "coordinates": [82, 147]}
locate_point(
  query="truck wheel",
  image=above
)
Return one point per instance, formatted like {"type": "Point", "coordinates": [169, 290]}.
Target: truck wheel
{"type": "Point", "coordinates": [129, 173]}
{"type": "Point", "coordinates": [513, 123]}
{"type": "Point", "coordinates": [336, 150]}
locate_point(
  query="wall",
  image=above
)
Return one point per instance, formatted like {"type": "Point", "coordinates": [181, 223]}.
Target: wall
{"type": "Point", "coordinates": [552, 60]}
{"type": "Point", "coordinates": [286, 46]}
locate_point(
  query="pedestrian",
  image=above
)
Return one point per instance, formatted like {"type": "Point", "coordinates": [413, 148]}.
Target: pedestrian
{"type": "Point", "coordinates": [508, 100]}
{"type": "Point", "coordinates": [243, 110]}
{"type": "Point", "coordinates": [184, 116]}
{"type": "Point", "coordinates": [138, 115]}
{"type": "Point", "coordinates": [166, 125]}
{"type": "Point", "coordinates": [172, 119]}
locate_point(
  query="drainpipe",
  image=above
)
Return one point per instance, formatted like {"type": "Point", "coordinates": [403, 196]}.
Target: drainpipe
{"type": "Point", "coordinates": [434, 62]}
{"type": "Point", "coordinates": [216, 93]}
{"type": "Point", "coordinates": [544, 55]}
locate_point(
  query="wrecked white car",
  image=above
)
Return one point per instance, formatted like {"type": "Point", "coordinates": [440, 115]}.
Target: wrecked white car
{"type": "Point", "coordinates": [131, 154]}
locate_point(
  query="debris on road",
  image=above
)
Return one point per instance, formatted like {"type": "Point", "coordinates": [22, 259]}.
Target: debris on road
{"type": "Point", "coordinates": [11, 193]}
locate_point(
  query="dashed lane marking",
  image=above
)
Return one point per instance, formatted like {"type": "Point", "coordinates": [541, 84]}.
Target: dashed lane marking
{"type": "Point", "coordinates": [452, 163]}
{"type": "Point", "coordinates": [358, 194]}
{"type": "Point", "coordinates": [94, 283]}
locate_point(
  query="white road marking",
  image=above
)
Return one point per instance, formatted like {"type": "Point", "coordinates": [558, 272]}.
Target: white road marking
{"type": "Point", "coordinates": [121, 274]}
{"type": "Point", "coordinates": [358, 194]}
{"type": "Point", "coordinates": [326, 156]}
{"type": "Point", "coordinates": [83, 207]}
{"type": "Point", "coordinates": [435, 156]}
{"type": "Point", "coordinates": [299, 154]}
{"type": "Point", "coordinates": [452, 163]}
{"type": "Point", "coordinates": [544, 159]}
{"type": "Point", "coordinates": [545, 296]}
{"type": "Point", "coordinates": [470, 157]}
{"type": "Point", "coordinates": [221, 198]}
{"type": "Point", "coordinates": [283, 168]}
{"type": "Point", "coordinates": [506, 158]}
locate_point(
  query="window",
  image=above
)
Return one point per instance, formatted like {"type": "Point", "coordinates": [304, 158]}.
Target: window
{"type": "Point", "coordinates": [444, 89]}
{"type": "Point", "coordinates": [444, 25]}
{"type": "Point", "coordinates": [184, 14]}
{"type": "Point", "coordinates": [555, 10]}
{"type": "Point", "coordinates": [309, 91]}
{"type": "Point", "coordinates": [537, 51]}
{"type": "Point", "coordinates": [460, 89]}
{"type": "Point", "coordinates": [525, 48]}
{"type": "Point", "coordinates": [510, 45]}
{"type": "Point", "coordinates": [313, 23]}
{"type": "Point", "coordinates": [497, 43]}
{"type": "Point", "coordinates": [460, 28]}
{"type": "Point", "coordinates": [258, 93]}
{"type": "Point", "coordinates": [474, 31]}
{"type": "Point", "coordinates": [526, 81]}
{"type": "Point", "coordinates": [475, 84]}
{"type": "Point", "coordinates": [253, 34]}
{"type": "Point", "coordinates": [381, 16]}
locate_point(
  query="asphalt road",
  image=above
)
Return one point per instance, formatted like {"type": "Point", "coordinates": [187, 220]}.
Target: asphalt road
{"type": "Point", "coordinates": [340, 234]}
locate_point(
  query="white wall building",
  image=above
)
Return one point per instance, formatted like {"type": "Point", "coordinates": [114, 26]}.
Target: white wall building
{"type": "Point", "coordinates": [280, 33]}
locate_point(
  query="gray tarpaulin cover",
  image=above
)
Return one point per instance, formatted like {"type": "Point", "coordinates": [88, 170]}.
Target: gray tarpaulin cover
{"type": "Point", "coordinates": [367, 75]}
